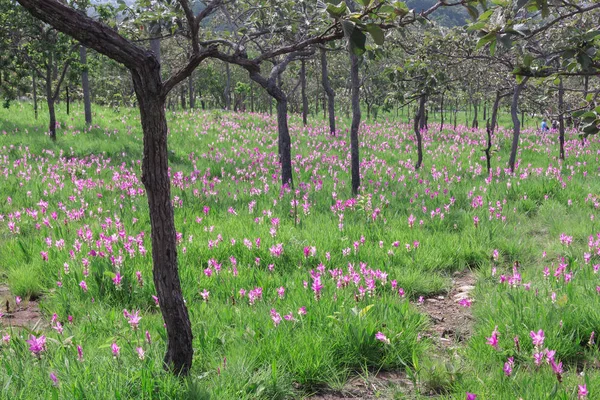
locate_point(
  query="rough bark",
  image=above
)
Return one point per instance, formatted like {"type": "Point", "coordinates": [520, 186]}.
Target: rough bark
{"type": "Point", "coordinates": [561, 119]}
{"type": "Point", "coordinates": [475, 123]}
{"type": "Point", "coordinates": [303, 90]}
{"type": "Point", "coordinates": [514, 113]}
{"type": "Point", "coordinates": [495, 112]}
{"type": "Point", "coordinates": [155, 177]}
{"type": "Point", "coordinates": [328, 91]}
{"type": "Point", "coordinates": [50, 97]}
{"type": "Point", "coordinates": [356, 116]}
{"type": "Point", "coordinates": [418, 127]}
{"type": "Point", "coordinates": [67, 99]}
{"type": "Point", "coordinates": [85, 85]}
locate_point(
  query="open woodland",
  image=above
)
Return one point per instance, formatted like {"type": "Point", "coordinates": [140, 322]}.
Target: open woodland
{"type": "Point", "coordinates": [261, 199]}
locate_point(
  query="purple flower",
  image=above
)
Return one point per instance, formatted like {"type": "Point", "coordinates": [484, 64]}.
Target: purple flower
{"type": "Point", "coordinates": [471, 396]}
{"type": "Point", "coordinates": [79, 353]}
{"type": "Point", "coordinates": [37, 345]}
{"type": "Point", "coordinates": [83, 286]}
{"type": "Point", "coordinates": [582, 392]}
{"type": "Point", "coordinates": [537, 337]}
{"type": "Point", "coordinates": [493, 340]}
{"type": "Point", "coordinates": [382, 338]}
{"type": "Point", "coordinates": [54, 378]}
{"type": "Point", "coordinates": [133, 319]}
{"type": "Point", "coordinates": [115, 349]}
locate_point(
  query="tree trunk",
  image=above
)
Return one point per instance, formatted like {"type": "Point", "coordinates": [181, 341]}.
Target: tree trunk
{"type": "Point", "coordinates": [50, 97]}
{"type": "Point", "coordinates": [67, 98]}
{"type": "Point", "coordinates": [356, 116]}
{"type": "Point", "coordinates": [191, 91]}
{"type": "Point", "coordinates": [488, 157]}
{"type": "Point", "coordinates": [561, 119]}
{"type": "Point", "coordinates": [303, 89]}
{"type": "Point", "coordinates": [495, 112]}
{"type": "Point", "coordinates": [285, 155]}
{"type": "Point", "coordinates": [85, 85]}
{"type": "Point", "coordinates": [182, 96]}
{"type": "Point", "coordinates": [514, 112]}
{"type": "Point", "coordinates": [328, 91]}
{"type": "Point", "coordinates": [442, 112]}
{"type": "Point", "coordinates": [155, 177]}
{"type": "Point", "coordinates": [227, 91]}
{"type": "Point", "coordinates": [251, 98]}
{"type": "Point", "coordinates": [418, 127]}
{"type": "Point", "coordinates": [475, 123]}
{"type": "Point", "coordinates": [35, 99]}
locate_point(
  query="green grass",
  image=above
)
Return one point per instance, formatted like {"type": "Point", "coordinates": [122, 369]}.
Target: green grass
{"type": "Point", "coordinates": [228, 162]}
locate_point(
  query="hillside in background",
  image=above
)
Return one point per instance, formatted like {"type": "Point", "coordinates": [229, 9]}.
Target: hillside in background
{"type": "Point", "coordinates": [446, 16]}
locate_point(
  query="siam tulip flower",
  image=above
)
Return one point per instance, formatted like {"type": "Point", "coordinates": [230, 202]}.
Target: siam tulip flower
{"type": "Point", "coordinates": [382, 338]}
{"type": "Point", "coordinates": [133, 319]}
{"type": "Point", "coordinates": [117, 279]}
{"type": "Point", "coordinates": [302, 311]}
{"type": "Point", "coordinates": [205, 293]}
{"type": "Point", "coordinates": [493, 340]}
{"type": "Point", "coordinates": [275, 317]}
{"type": "Point", "coordinates": [537, 338]}
{"type": "Point", "coordinates": [155, 299]}
{"type": "Point", "coordinates": [466, 302]}
{"type": "Point", "coordinates": [471, 396]}
{"type": "Point", "coordinates": [140, 352]}
{"type": "Point", "coordinates": [148, 338]}
{"type": "Point", "coordinates": [138, 275]}
{"type": "Point", "coordinates": [507, 368]}
{"type": "Point", "coordinates": [37, 345]}
{"type": "Point", "coordinates": [54, 378]}
{"type": "Point", "coordinates": [421, 300]}
{"type": "Point", "coordinates": [401, 292]}
{"type": "Point", "coordinates": [83, 286]}
{"type": "Point", "coordinates": [281, 292]}
{"type": "Point", "coordinates": [582, 391]}
{"type": "Point", "coordinates": [538, 358]}
{"type": "Point", "coordinates": [80, 353]}
{"type": "Point", "coordinates": [115, 349]}
{"type": "Point", "coordinates": [18, 300]}
{"type": "Point", "coordinates": [6, 339]}
{"type": "Point", "coordinates": [591, 342]}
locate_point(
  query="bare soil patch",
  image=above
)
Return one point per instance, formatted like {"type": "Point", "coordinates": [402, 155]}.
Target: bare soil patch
{"type": "Point", "coordinates": [24, 315]}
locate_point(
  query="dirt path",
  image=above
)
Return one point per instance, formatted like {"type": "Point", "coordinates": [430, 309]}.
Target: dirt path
{"type": "Point", "coordinates": [451, 325]}
{"type": "Point", "coordinates": [24, 315]}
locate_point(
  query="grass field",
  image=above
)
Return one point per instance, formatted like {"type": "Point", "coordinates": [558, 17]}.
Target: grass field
{"type": "Point", "coordinates": [293, 293]}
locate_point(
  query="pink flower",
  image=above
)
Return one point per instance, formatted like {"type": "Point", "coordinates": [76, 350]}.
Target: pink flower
{"type": "Point", "coordinates": [275, 317]}
{"type": "Point", "coordinates": [471, 396]}
{"type": "Point", "coordinates": [117, 279]}
{"type": "Point", "coordinates": [140, 352]}
{"type": "Point", "coordinates": [281, 292]}
{"type": "Point", "coordinates": [507, 369]}
{"type": "Point", "coordinates": [54, 378]}
{"type": "Point", "coordinates": [133, 319]}
{"type": "Point", "coordinates": [537, 338]}
{"type": "Point", "coordinates": [302, 311]}
{"type": "Point", "coordinates": [466, 302]}
{"type": "Point", "coordinates": [205, 293]}
{"type": "Point", "coordinates": [80, 353]}
{"type": "Point", "coordinates": [382, 338]}
{"type": "Point", "coordinates": [493, 340]}
{"type": "Point", "coordinates": [115, 349]}
{"type": "Point", "coordinates": [582, 391]}
{"type": "Point", "coordinates": [155, 299]}
{"type": "Point", "coordinates": [83, 286]}
{"type": "Point", "coordinates": [37, 345]}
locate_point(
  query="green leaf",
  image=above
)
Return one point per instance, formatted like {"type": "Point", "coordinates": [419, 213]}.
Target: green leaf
{"type": "Point", "coordinates": [365, 310]}
{"type": "Point", "coordinates": [486, 15]}
{"type": "Point", "coordinates": [527, 60]}
{"type": "Point", "coordinates": [376, 33]}
{"type": "Point", "coordinates": [493, 44]}
{"type": "Point", "coordinates": [336, 11]}
{"type": "Point", "coordinates": [473, 12]}
{"type": "Point", "coordinates": [485, 40]}
{"type": "Point", "coordinates": [364, 3]}
{"type": "Point", "coordinates": [348, 27]}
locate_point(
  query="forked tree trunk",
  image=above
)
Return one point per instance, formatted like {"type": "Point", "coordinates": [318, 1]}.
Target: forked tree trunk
{"type": "Point", "coordinates": [561, 119]}
{"type": "Point", "coordinates": [356, 116]}
{"type": "Point", "coordinates": [514, 112]}
{"type": "Point", "coordinates": [155, 177]}
{"type": "Point", "coordinates": [85, 86]}
{"type": "Point", "coordinates": [328, 91]}
{"type": "Point", "coordinates": [303, 90]}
